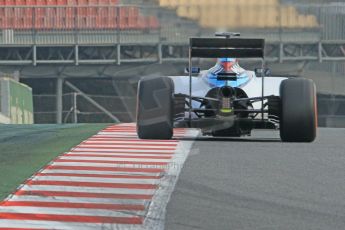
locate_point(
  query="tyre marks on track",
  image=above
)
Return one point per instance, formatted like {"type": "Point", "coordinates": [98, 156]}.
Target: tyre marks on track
{"type": "Point", "coordinates": [112, 180]}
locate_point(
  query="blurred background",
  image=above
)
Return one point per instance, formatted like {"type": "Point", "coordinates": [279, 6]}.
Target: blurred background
{"type": "Point", "coordinates": [79, 61]}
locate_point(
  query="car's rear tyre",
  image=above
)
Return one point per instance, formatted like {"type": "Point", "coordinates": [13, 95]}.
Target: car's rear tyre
{"type": "Point", "coordinates": [298, 121]}
{"type": "Point", "coordinates": [155, 105]}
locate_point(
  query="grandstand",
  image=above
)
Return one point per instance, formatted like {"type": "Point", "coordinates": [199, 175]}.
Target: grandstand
{"type": "Point", "coordinates": [72, 14]}
{"type": "Point", "coordinates": [234, 14]}
{"type": "Point", "coordinates": [56, 21]}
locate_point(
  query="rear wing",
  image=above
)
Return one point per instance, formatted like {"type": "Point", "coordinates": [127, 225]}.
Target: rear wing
{"type": "Point", "coordinates": [226, 47]}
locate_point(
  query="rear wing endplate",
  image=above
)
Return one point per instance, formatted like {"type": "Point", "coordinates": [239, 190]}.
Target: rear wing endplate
{"type": "Point", "coordinates": [226, 47]}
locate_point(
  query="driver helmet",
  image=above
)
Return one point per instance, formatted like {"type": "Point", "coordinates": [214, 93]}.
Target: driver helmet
{"type": "Point", "coordinates": [227, 65]}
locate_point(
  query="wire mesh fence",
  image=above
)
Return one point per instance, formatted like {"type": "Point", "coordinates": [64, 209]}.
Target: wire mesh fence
{"type": "Point", "coordinates": [331, 109]}
{"type": "Point", "coordinates": [78, 110]}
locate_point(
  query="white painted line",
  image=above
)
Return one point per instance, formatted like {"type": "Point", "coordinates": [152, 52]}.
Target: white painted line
{"type": "Point", "coordinates": [129, 139]}
{"type": "Point", "coordinates": [69, 211]}
{"type": "Point", "coordinates": [117, 133]}
{"type": "Point", "coordinates": [91, 179]}
{"type": "Point", "coordinates": [123, 124]}
{"type": "Point", "coordinates": [67, 157]}
{"type": "Point", "coordinates": [100, 147]}
{"type": "Point", "coordinates": [110, 165]}
{"type": "Point", "coordinates": [71, 154]}
{"type": "Point", "coordinates": [87, 189]}
{"type": "Point", "coordinates": [120, 133]}
{"type": "Point", "coordinates": [122, 150]}
{"type": "Point", "coordinates": [25, 224]}
{"type": "Point", "coordinates": [63, 199]}
{"type": "Point", "coordinates": [94, 141]}
{"type": "Point", "coordinates": [99, 172]}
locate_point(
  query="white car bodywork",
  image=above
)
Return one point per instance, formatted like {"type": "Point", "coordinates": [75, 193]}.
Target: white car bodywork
{"type": "Point", "coordinates": [200, 86]}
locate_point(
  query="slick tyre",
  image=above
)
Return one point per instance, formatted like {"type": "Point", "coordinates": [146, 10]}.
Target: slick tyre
{"type": "Point", "coordinates": [298, 121]}
{"type": "Point", "coordinates": [155, 105]}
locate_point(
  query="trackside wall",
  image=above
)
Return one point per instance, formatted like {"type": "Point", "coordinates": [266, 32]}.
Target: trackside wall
{"type": "Point", "coordinates": [16, 104]}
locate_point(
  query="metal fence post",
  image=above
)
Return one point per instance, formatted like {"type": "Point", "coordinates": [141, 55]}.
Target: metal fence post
{"type": "Point", "coordinates": [320, 51]}
{"type": "Point", "coordinates": [59, 99]}
{"type": "Point", "coordinates": [118, 36]}
{"type": "Point", "coordinates": [75, 108]}
{"type": "Point", "coordinates": [34, 55]}
{"type": "Point", "coordinates": [76, 54]}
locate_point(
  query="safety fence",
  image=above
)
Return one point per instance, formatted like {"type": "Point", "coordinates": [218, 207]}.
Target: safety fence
{"type": "Point", "coordinates": [331, 109]}
{"type": "Point", "coordinates": [76, 109]}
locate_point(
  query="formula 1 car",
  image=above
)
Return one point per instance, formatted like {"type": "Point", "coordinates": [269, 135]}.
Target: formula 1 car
{"type": "Point", "coordinates": [228, 110]}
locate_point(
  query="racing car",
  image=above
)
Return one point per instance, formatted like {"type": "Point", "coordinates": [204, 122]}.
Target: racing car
{"type": "Point", "coordinates": [227, 102]}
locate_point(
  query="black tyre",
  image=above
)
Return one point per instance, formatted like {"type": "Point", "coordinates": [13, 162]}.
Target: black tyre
{"type": "Point", "coordinates": [298, 121]}
{"type": "Point", "coordinates": [155, 105]}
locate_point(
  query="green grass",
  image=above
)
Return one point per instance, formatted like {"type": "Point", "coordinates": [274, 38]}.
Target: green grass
{"type": "Point", "coordinates": [25, 149]}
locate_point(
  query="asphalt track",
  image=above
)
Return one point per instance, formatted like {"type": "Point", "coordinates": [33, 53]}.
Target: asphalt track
{"type": "Point", "coordinates": [261, 183]}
